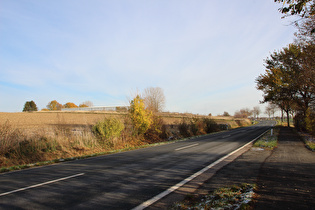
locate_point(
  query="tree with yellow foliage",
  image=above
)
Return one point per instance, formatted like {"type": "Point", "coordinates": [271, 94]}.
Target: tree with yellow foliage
{"type": "Point", "coordinates": [70, 105]}
{"type": "Point", "coordinates": [141, 117]}
{"type": "Point", "coordinates": [54, 105]}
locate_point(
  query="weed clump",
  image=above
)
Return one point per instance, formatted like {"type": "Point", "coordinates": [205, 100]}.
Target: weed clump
{"type": "Point", "coordinates": [234, 197]}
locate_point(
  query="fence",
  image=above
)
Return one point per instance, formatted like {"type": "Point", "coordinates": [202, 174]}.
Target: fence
{"type": "Point", "coordinates": [98, 108]}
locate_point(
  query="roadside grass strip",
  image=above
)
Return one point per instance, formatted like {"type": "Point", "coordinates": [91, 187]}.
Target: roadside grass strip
{"type": "Point", "coordinates": [309, 140]}
{"type": "Point", "coordinates": [49, 162]}
{"type": "Point", "coordinates": [59, 160]}
{"type": "Point", "coordinates": [310, 145]}
{"type": "Point", "coordinates": [269, 140]}
{"type": "Point", "coordinates": [233, 197]}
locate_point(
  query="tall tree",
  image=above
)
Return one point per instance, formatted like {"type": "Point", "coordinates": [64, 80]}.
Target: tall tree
{"type": "Point", "coordinates": [29, 106]}
{"type": "Point", "coordinates": [256, 111]}
{"type": "Point", "coordinates": [70, 105]}
{"type": "Point", "coordinates": [54, 106]}
{"type": "Point", "coordinates": [271, 109]}
{"type": "Point", "coordinates": [289, 79]}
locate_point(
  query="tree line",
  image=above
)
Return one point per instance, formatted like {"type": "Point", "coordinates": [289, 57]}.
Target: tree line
{"type": "Point", "coordinates": [289, 78]}
{"type": "Point", "coordinates": [54, 105]}
{"type": "Point", "coordinates": [153, 98]}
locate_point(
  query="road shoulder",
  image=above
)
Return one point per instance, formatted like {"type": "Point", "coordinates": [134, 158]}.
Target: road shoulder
{"type": "Point", "coordinates": [287, 178]}
{"type": "Point", "coordinates": [230, 170]}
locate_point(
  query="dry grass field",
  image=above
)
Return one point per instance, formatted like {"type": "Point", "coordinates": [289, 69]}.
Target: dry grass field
{"type": "Point", "coordinates": [33, 120]}
{"type": "Point", "coordinates": [48, 119]}
{"type": "Point", "coordinates": [28, 137]}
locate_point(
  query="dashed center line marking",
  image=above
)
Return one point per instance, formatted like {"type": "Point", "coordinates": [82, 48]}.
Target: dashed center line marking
{"type": "Point", "coordinates": [41, 184]}
{"type": "Point", "coordinates": [181, 148]}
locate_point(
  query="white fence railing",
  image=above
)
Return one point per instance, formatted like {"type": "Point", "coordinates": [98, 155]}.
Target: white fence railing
{"type": "Point", "coordinates": [98, 108]}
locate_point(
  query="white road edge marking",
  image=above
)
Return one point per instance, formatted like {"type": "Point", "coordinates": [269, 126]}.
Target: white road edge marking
{"type": "Point", "coordinates": [41, 184]}
{"type": "Point", "coordinates": [178, 185]}
{"type": "Point", "coordinates": [186, 147]}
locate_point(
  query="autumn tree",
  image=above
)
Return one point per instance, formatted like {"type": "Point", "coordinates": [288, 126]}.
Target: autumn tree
{"type": "Point", "coordinates": [54, 106]}
{"type": "Point", "coordinates": [256, 111]}
{"type": "Point", "coordinates": [289, 78]}
{"type": "Point", "coordinates": [154, 99]}
{"type": "Point", "coordinates": [29, 106]}
{"type": "Point", "coordinates": [290, 75]}
{"type": "Point", "coordinates": [276, 83]}
{"type": "Point", "coordinates": [86, 104]}
{"type": "Point", "coordinates": [140, 116]}
{"type": "Point", "coordinates": [243, 113]}
{"type": "Point", "coordinates": [304, 10]}
{"type": "Point", "coordinates": [70, 105]}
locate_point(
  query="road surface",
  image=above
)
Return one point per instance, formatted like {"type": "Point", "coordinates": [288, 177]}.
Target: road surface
{"type": "Point", "coordinates": [119, 181]}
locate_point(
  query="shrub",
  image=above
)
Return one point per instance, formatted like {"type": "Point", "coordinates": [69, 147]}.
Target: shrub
{"type": "Point", "coordinates": [200, 126]}
{"type": "Point", "coordinates": [210, 125]}
{"type": "Point", "coordinates": [184, 128]}
{"type": "Point", "coordinates": [108, 129]}
{"type": "Point", "coordinates": [155, 132]}
{"type": "Point", "coordinates": [194, 126]}
{"type": "Point", "coordinates": [141, 118]}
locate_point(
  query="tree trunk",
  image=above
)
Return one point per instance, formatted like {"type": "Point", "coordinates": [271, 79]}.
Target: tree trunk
{"type": "Point", "coordinates": [288, 117]}
{"type": "Point", "coordinates": [282, 115]}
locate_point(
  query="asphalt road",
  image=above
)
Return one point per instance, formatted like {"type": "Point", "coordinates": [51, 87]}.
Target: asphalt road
{"type": "Point", "coordinates": [118, 181]}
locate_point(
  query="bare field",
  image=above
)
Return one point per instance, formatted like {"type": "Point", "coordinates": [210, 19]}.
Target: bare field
{"type": "Point", "coordinates": [30, 137]}
{"type": "Point", "coordinates": [48, 119]}
{"type": "Point", "coordinates": [44, 119]}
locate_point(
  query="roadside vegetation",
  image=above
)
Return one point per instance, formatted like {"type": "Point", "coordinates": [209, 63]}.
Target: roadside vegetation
{"type": "Point", "coordinates": [233, 197]}
{"type": "Point", "coordinates": [309, 140]}
{"type": "Point", "coordinates": [39, 138]}
{"type": "Point", "coordinates": [269, 140]}
{"type": "Point", "coordinates": [25, 147]}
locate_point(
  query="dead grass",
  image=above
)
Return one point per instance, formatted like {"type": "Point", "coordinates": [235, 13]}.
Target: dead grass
{"type": "Point", "coordinates": [31, 120]}
{"type": "Point", "coordinates": [27, 138]}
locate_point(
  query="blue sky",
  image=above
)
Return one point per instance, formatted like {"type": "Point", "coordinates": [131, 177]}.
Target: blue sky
{"type": "Point", "coordinates": [204, 54]}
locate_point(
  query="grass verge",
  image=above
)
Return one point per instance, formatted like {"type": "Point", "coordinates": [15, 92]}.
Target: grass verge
{"type": "Point", "coordinates": [310, 145]}
{"type": "Point", "coordinates": [269, 140]}
{"type": "Point", "coordinates": [233, 197]}
{"type": "Point", "coordinates": [309, 140]}
{"type": "Point", "coordinates": [58, 160]}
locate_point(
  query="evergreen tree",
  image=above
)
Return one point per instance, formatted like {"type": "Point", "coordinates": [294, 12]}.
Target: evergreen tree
{"type": "Point", "coordinates": [29, 106]}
